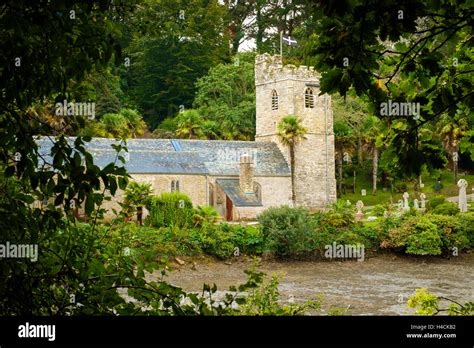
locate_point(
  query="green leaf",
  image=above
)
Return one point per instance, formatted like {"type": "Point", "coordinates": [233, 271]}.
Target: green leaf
{"type": "Point", "coordinates": [89, 206]}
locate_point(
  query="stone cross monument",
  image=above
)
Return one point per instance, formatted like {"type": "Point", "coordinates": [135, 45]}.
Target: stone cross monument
{"type": "Point", "coordinates": [405, 201]}
{"type": "Point", "coordinates": [400, 204]}
{"type": "Point", "coordinates": [423, 201]}
{"type": "Point", "coordinates": [462, 184]}
{"type": "Point", "coordinates": [359, 215]}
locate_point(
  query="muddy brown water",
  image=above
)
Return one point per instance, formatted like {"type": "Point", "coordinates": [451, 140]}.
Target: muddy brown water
{"type": "Point", "coordinates": [379, 285]}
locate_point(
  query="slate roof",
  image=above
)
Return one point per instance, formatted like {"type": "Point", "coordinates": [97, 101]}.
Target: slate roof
{"type": "Point", "coordinates": [161, 156]}
{"type": "Point", "coordinates": [232, 189]}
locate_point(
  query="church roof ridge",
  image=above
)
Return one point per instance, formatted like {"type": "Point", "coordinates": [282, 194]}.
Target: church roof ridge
{"type": "Point", "coordinates": [158, 156]}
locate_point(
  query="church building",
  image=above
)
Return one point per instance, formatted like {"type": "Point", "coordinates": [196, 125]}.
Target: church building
{"type": "Point", "coordinates": [240, 179]}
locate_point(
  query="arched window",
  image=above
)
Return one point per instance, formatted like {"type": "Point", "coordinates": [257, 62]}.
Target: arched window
{"type": "Point", "coordinates": [175, 186]}
{"type": "Point", "coordinates": [274, 100]}
{"type": "Point", "coordinates": [308, 98]}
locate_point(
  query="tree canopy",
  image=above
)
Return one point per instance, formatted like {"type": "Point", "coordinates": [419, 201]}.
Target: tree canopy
{"type": "Point", "coordinates": [416, 52]}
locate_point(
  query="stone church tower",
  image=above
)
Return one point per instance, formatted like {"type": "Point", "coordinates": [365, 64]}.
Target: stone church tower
{"type": "Point", "coordinates": [288, 90]}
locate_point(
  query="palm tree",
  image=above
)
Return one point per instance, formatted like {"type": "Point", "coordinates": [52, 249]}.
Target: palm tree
{"type": "Point", "coordinates": [373, 135]}
{"type": "Point", "coordinates": [189, 124]}
{"type": "Point", "coordinates": [351, 111]}
{"type": "Point", "coordinates": [290, 132]}
{"type": "Point", "coordinates": [205, 214]}
{"type": "Point", "coordinates": [136, 196]}
{"type": "Point", "coordinates": [343, 142]}
{"type": "Point", "coordinates": [210, 130]}
{"type": "Point", "coordinates": [451, 131]}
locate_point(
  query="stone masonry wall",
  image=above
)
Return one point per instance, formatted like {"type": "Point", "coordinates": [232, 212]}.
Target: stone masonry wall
{"type": "Point", "coordinates": [275, 191]}
{"type": "Point", "coordinates": [192, 185]}
{"type": "Point", "coordinates": [315, 181]}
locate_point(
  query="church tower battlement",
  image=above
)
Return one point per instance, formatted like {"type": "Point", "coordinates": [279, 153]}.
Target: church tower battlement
{"type": "Point", "coordinates": [283, 90]}
{"type": "Point", "coordinates": [268, 68]}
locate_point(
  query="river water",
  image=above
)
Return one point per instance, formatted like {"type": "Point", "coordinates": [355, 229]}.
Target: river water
{"type": "Point", "coordinates": [379, 285]}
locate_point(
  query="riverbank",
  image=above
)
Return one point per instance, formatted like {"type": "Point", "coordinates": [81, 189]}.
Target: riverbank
{"type": "Point", "coordinates": [380, 285]}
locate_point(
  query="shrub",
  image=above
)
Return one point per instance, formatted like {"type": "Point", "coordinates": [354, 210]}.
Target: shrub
{"type": "Point", "coordinates": [397, 237]}
{"type": "Point", "coordinates": [379, 210]}
{"type": "Point", "coordinates": [336, 218]}
{"type": "Point", "coordinates": [217, 240]}
{"type": "Point", "coordinates": [205, 214]}
{"type": "Point", "coordinates": [466, 225]}
{"type": "Point", "coordinates": [426, 303]}
{"type": "Point", "coordinates": [401, 187]}
{"type": "Point", "coordinates": [323, 237]}
{"type": "Point", "coordinates": [416, 235]}
{"type": "Point", "coordinates": [249, 239]}
{"type": "Point", "coordinates": [288, 231]}
{"type": "Point", "coordinates": [383, 226]}
{"type": "Point", "coordinates": [136, 196]}
{"type": "Point", "coordinates": [350, 237]}
{"type": "Point", "coordinates": [169, 209]}
{"type": "Point", "coordinates": [150, 241]}
{"type": "Point", "coordinates": [435, 201]}
{"type": "Point", "coordinates": [427, 241]}
{"type": "Point", "coordinates": [338, 226]}
{"type": "Point", "coordinates": [438, 186]}
{"type": "Point", "coordinates": [369, 233]}
{"type": "Point", "coordinates": [341, 205]}
{"type": "Point", "coordinates": [452, 234]}
{"type": "Point", "coordinates": [447, 208]}
{"type": "Point", "coordinates": [431, 234]}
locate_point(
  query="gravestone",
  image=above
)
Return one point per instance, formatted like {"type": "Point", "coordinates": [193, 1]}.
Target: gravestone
{"type": "Point", "coordinates": [405, 201]}
{"type": "Point", "coordinates": [359, 215]}
{"type": "Point", "coordinates": [363, 192]}
{"type": "Point", "coordinates": [462, 184]}
{"type": "Point", "coordinates": [400, 204]}
{"type": "Point", "coordinates": [416, 204]}
{"type": "Point", "coordinates": [423, 201]}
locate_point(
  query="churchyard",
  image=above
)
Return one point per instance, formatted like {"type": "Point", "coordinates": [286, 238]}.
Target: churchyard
{"type": "Point", "coordinates": [148, 148]}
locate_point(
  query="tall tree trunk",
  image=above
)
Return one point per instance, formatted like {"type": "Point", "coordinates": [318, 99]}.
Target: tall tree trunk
{"type": "Point", "coordinates": [260, 26]}
{"type": "Point", "coordinates": [354, 180]}
{"type": "Point", "coordinates": [416, 186]}
{"type": "Point", "coordinates": [384, 179]}
{"type": "Point", "coordinates": [292, 165]}
{"type": "Point", "coordinates": [235, 43]}
{"type": "Point", "coordinates": [360, 154]}
{"type": "Point", "coordinates": [455, 165]}
{"type": "Point", "coordinates": [339, 171]}
{"type": "Point", "coordinates": [375, 167]}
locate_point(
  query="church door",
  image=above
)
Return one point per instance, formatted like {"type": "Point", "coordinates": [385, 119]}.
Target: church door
{"type": "Point", "coordinates": [229, 209]}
